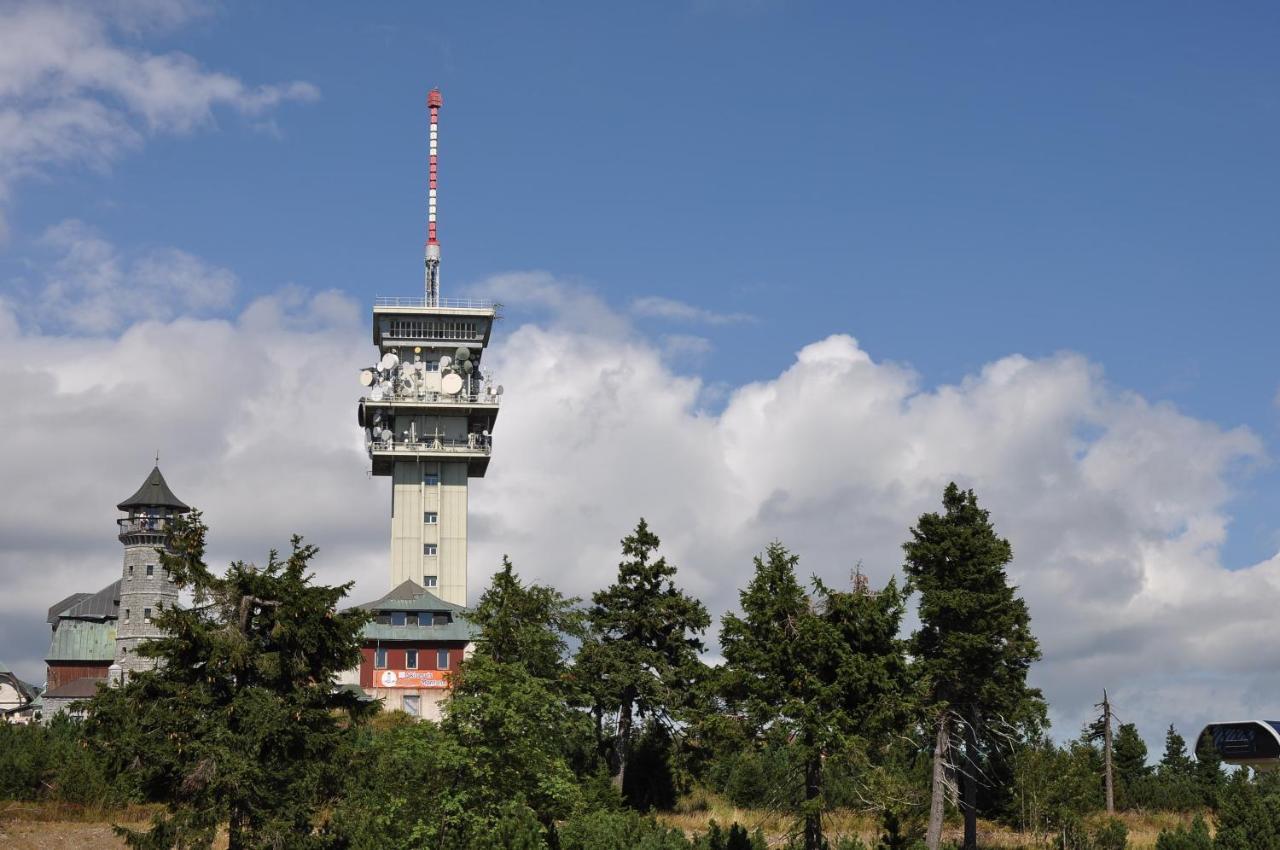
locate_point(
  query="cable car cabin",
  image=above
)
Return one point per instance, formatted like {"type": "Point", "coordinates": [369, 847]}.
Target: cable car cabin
{"type": "Point", "coordinates": [1251, 743]}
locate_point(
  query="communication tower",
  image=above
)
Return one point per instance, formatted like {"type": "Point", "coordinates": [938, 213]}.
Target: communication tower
{"type": "Point", "coordinates": [428, 413]}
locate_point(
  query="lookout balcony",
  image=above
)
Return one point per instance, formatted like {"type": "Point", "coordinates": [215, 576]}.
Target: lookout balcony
{"type": "Point", "coordinates": [475, 449]}
{"type": "Point", "coordinates": [143, 529]}
{"type": "Point", "coordinates": [426, 322]}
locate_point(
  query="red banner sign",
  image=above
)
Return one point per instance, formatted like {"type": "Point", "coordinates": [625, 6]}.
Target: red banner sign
{"type": "Point", "coordinates": [411, 678]}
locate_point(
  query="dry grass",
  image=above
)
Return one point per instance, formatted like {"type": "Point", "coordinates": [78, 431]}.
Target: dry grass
{"type": "Point", "coordinates": [694, 813]}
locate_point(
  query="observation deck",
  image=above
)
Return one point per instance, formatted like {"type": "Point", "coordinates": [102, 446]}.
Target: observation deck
{"type": "Point", "coordinates": [474, 449]}
{"type": "Point", "coordinates": [432, 322]}
{"type": "Point", "coordinates": [141, 529]}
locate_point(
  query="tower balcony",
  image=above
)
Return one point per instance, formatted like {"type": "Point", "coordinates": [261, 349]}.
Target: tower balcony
{"type": "Point", "coordinates": [142, 529]}
{"type": "Point", "coordinates": [432, 322]}
{"type": "Point", "coordinates": [429, 401]}
{"type": "Point", "coordinates": [474, 450]}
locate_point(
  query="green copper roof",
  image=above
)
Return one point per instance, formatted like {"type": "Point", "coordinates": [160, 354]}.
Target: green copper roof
{"type": "Point", "coordinates": [410, 596]}
{"type": "Point", "coordinates": [83, 640]}
{"type": "Point", "coordinates": [458, 630]}
{"type": "Point", "coordinates": [154, 493]}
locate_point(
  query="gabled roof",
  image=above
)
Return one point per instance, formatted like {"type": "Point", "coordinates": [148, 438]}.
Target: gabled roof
{"type": "Point", "coordinates": [154, 493]}
{"type": "Point", "coordinates": [103, 605]}
{"type": "Point", "coordinates": [78, 689]}
{"type": "Point", "coordinates": [58, 607]}
{"type": "Point", "coordinates": [410, 596]}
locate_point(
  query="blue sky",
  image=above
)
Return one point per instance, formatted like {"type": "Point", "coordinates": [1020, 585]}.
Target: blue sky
{"type": "Point", "coordinates": [948, 183]}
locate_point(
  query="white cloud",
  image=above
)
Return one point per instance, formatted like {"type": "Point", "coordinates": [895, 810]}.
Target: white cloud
{"type": "Point", "coordinates": [75, 91]}
{"type": "Point", "coordinates": [1115, 505]}
{"type": "Point", "coordinates": [89, 287]}
{"type": "Point", "coordinates": [657, 307]}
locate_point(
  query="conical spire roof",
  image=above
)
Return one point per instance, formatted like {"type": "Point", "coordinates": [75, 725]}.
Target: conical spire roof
{"type": "Point", "coordinates": [154, 493]}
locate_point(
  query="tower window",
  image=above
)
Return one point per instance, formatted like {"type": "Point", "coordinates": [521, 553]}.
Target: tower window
{"type": "Point", "coordinates": [428, 581]}
{"type": "Point", "coordinates": [442, 659]}
{"type": "Point", "coordinates": [431, 478]}
{"type": "Point", "coordinates": [151, 570]}
{"type": "Point", "coordinates": [126, 615]}
{"type": "Point", "coordinates": [380, 658]}
{"type": "Point", "coordinates": [433, 365]}
{"type": "Point", "coordinates": [431, 517]}
{"type": "Point", "coordinates": [411, 659]}
{"type": "Point", "coordinates": [397, 618]}
{"type": "Point", "coordinates": [146, 615]}
{"type": "Point", "coordinates": [428, 548]}
{"type": "Point", "coordinates": [440, 620]}
{"type": "Point", "coordinates": [131, 572]}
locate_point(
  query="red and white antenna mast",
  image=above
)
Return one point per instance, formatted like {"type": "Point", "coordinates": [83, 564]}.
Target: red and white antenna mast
{"type": "Point", "coordinates": [434, 102]}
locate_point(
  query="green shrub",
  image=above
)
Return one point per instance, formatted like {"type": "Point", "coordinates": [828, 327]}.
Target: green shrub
{"type": "Point", "coordinates": [625, 830]}
{"type": "Point", "coordinates": [1195, 838]}
{"type": "Point", "coordinates": [1111, 835]}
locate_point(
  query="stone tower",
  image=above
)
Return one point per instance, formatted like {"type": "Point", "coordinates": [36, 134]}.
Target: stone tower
{"type": "Point", "coordinates": [145, 585]}
{"type": "Point", "coordinates": [428, 413]}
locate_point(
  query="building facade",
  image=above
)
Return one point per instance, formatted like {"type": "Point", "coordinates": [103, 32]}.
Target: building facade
{"type": "Point", "coordinates": [412, 649]}
{"type": "Point", "coordinates": [96, 635]}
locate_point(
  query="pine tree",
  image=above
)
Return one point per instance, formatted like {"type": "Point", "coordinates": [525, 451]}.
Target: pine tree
{"type": "Point", "coordinates": [974, 648]}
{"type": "Point", "coordinates": [826, 673]}
{"type": "Point", "coordinates": [641, 656]}
{"type": "Point", "coordinates": [1208, 770]}
{"type": "Point", "coordinates": [1130, 763]}
{"type": "Point", "coordinates": [1245, 821]}
{"type": "Point", "coordinates": [1175, 761]}
{"type": "Point", "coordinates": [239, 723]}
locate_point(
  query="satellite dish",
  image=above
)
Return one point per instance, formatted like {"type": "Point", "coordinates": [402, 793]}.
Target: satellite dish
{"type": "Point", "coordinates": [451, 384]}
{"type": "Point", "coordinates": [375, 394]}
{"type": "Point", "coordinates": [386, 434]}
{"type": "Point", "coordinates": [499, 389]}
{"type": "Point", "coordinates": [366, 378]}
{"type": "Point", "coordinates": [484, 434]}
{"type": "Point", "coordinates": [360, 415]}
{"type": "Point", "coordinates": [417, 349]}
{"type": "Point", "coordinates": [490, 390]}
{"type": "Point", "coordinates": [408, 385]}
{"type": "Point", "coordinates": [468, 366]}
{"type": "Point", "coordinates": [445, 361]}
{"type": "Point", "coordinates": [389, 361]}
{"type": "Point", "coordinates": [463, 353]}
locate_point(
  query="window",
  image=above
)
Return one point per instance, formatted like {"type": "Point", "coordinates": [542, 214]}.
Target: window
{"type": "Point", "coordinates": [412, 705]}
{"type": "Point", "coordinates": [131, 572]}
{"type": "Point", "coordinates": [431, 478]}
{"type": "Point", "coordinates": [442, 659]}
{"type": "Point", "coordinates": [433, 365]}
{"type": "Point", "coordinates": [146, 615]}
{"type": "Point", "coordinates": [431, 518]}
{"type": "Point", "coordinates": [412, 620]}
{"type": "Point", "coordinates": [428, 548]}
{"type": "Point", "coordinates": [126, 615]}
{"type": "Point", "coordinates": [411, 659]}
{"type": "Point", "coordinates": [428, 581]}
{"type": "Point", "coordinates": [397, 618]}
{"type": "Point", "coordinates": [151, 570]}
{"type": "Point", "coordinates": [380, 658]}
{"type": "Point", "coordinates": [440, 620]}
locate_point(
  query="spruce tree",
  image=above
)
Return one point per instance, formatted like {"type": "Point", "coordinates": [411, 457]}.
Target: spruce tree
{"type": "Point", "coordinates": [1130, 764]}
{"type": "Point", "coordinates": [641, 654]}
{"type": "Point", "coordinates": [974, 649]}
{"type": "Point", "coordinates": [824, 674]}
{"type": "Point", "coordinates": [1175, 761]}
{"type": "Point", "coordinates": [1208, 770]}
{"type": "Point", "coordinates": [238, 725]}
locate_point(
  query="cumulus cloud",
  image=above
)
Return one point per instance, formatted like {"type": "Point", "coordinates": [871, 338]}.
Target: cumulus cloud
{"type": "Point", "coordinates": [1115, 504]}
{"type": "Point", "coordinates": [74, 90]}
{"type": "Point", "coordinates": [90, 287]}
{"type": "Point", "coordinates": [657, 307]}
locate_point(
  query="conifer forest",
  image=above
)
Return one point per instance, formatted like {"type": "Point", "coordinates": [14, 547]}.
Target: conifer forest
{"type": "Point", "coordinates": [810, 716]}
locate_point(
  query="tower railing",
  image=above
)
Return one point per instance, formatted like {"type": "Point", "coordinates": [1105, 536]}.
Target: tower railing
{"type": "Point", "coordinates": [448, 303]}
{"type": "Point", "coordinates": [472, 444]}
{"type": "Point", "coordinates": [433, 397]}
{"type": "Point", "coordinates": [143, 525]}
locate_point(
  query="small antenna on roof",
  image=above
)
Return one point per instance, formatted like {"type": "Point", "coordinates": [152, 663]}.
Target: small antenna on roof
{"type": "Point", "coordinates": [157, 457]}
